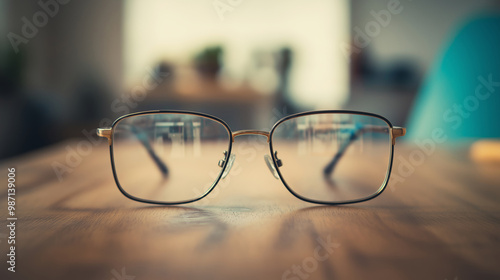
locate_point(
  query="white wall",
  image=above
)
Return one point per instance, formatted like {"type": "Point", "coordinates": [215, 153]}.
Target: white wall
{"type": "Point", "coordinates": [174, 30]}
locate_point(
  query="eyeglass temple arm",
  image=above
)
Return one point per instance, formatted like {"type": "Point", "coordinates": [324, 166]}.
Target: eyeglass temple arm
{"type": "Point", "coordinates": [395, 132]}
{"type": "Point", "coordinates": [343, 147]}
{"type": "Point", "coordinates": [106, 132]}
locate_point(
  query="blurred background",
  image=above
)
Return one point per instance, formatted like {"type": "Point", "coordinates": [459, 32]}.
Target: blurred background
{"type": "Point", "coordinates": [68, 67]}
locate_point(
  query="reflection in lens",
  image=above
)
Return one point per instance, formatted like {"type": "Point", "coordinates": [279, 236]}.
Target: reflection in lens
{"type": "Point", "coordinates": [333, 158]}
{"type": "Point", "coordinates": [167, 157]}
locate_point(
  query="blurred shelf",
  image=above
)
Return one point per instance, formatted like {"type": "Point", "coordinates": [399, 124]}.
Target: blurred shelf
{"type": "Point", "coordinates": [187, 85]}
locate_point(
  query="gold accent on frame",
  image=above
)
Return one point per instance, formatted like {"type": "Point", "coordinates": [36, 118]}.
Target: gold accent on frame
{"type": "Point", "coordinates": [397, 132]}
{"type": "Point", "coordinates": [105, 132]}
{"type": "Point", "coordinates": [251, 132]}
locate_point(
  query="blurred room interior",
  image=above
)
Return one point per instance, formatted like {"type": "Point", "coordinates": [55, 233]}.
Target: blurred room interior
{"type": "Point", "coordinates": [250, 64]}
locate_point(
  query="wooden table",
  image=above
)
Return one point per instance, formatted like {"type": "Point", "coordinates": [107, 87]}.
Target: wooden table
{"type": "Point", "coordinates": [442, 222]}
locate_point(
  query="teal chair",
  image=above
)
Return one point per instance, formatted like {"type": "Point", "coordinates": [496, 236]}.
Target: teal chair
{"type": "Point", "coordinates": [461, 94]}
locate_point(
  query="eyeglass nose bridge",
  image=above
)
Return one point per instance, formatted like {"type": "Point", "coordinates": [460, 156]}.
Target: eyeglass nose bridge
{"type": "Point", "coordinates": [250, 132]}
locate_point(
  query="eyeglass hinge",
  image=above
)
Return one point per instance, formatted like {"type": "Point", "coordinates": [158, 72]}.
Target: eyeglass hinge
{"type": "Point", "coordinates": [105, 132]}
{"type": "Point", "coordinates": [397, 132]}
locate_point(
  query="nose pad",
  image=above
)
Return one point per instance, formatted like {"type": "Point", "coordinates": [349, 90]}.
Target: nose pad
{"type": "Point", "coordinates": [229, 165]}
{"type": "Point", "coordinates": [270, 165]}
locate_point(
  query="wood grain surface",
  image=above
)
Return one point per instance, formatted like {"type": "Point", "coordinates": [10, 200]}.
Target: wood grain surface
{"type": "Point", "coordinates": [441, 222]}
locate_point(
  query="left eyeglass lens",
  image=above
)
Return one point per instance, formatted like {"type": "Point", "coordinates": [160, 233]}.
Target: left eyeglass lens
{"type": "Point", "coordinates": [167, 157]}
{"type": "Point", "coordinates": [333, 157]}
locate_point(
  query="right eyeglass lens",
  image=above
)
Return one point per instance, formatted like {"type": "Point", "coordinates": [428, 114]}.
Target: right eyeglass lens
{"type": "Point", "coordinates": [167, 157]}
{"type": "Point", "coordinates": [333, 157]}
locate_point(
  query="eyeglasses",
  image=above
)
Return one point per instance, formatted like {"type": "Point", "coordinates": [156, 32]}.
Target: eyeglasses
{"type": "Point", "coordinates": [325, 157]}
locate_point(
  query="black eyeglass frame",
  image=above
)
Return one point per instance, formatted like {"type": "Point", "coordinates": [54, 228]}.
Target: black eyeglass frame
{"type": "Point", "coordinates": [108, 132]}
{"type": "Point", "coordinates": [346, 112]}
